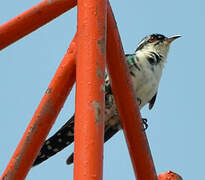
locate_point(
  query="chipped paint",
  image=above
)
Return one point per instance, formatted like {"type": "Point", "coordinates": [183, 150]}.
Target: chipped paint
{"type": "Point", "coordinates": [98, 111]}
{"type": "Point", "coordinates": [101, 45]}
{"type": "Point", "coordinates": [49, 2]}
{"type": "Point", "coordinates": [100, 74]}
{"type": "Point", "coordinates": [48, 91]}
{"type": "Point", "coordinates": [47, 108]}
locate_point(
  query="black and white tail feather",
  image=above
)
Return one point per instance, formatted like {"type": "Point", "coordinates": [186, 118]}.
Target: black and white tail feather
{"type": "Point", "coordinates": [62, 138]}
{"type": "Point", "coordinates": [65, 136]}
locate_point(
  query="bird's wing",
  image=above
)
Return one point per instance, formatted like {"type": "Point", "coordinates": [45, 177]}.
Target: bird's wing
{"type": "Point", "coordinates": [131, 62]}
{"type": "Point", "coordinates": [129, 59]}
{"type": "Point", "coordinates": [152, 101]}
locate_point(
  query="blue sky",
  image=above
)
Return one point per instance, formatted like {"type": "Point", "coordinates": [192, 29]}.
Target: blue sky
{"type": "Point", "coordinates": [176, 123]}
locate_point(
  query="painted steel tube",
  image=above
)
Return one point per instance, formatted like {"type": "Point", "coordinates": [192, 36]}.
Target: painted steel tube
{"type": "Point", "coordinates": [125, 100]}
{"type": "Point", "coordinates": [169, 175]}
{"type": "Point", "coordinates": [32, 19]}
{"type": "Point", "coordinates": [54, 8]}
{"type": "Point", "coordinates": [90, 70]}
{"type": "Point", "coordinates": [43, 118]}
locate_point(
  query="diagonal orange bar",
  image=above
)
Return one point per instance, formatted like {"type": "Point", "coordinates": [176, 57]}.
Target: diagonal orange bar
{"type": "Point", "coordinates": [125, 100]}
{"type": "Point", "coordinates": [90, 70]}
{"type": "Point", "coordinates": [32, 19]}
{"type": "Point", "coordinates": [43, 118]}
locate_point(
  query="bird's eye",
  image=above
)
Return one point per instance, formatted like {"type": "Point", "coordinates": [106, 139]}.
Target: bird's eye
{"type": "Point", "coordinates": [151, 60]}
{"type": "Point", "coordinates": [152, 39]}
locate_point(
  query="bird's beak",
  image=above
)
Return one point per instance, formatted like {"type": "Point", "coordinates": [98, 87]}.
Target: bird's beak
{"type": "Point", "coordinates": [170, 39]}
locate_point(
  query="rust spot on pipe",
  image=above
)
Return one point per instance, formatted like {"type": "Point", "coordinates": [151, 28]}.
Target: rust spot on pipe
{"type": "Point", "coordinates": [101, 45]}
{"type": "Point", "coordinates": [47, 108]}
{"type": "Point", "coordinates": [98, 111]}
{"type": "Point", "coordinates": [100, 74]}
{"type": "Point", "coordinates": [8, 176]}
{"type": "Point", "coordinates": [49, 1]}
{"type": "Point", "coordinates": [48, 91]}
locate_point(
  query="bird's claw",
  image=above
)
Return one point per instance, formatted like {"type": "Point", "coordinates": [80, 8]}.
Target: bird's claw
{"type": "Point", "coordinates": [145, 124]}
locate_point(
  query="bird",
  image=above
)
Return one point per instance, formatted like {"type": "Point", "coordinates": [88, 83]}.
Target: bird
{"type": "Point", "coordinates": [145, 67]}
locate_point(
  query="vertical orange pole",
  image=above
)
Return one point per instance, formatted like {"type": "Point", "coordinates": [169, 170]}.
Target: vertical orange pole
{"type": "Point", "coordinates": [90, 68]}
{"type": "Point", "coordinates": [43, 118]}
{"type": "Point", "coordinates": [125, 100]}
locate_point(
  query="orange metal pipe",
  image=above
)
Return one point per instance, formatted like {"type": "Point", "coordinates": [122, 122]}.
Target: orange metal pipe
{"type": "Point", "coordinates": [125, 100]}
{"type": "Point", "coordinates": [32, 19]}
{"type": "Point", "coordinates": [90, 69]}
{"type": "Point", "coordinates": [169, 175]}
{"type": "Point", "coordinates": [43, 118]}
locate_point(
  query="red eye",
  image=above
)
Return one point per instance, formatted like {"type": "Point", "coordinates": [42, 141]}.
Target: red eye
{"type": "Point", "coordinates": [152, 39]}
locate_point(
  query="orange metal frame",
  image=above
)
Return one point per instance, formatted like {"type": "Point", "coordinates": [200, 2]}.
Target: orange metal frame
{"type": "Point", "coordinates": [97, 40]}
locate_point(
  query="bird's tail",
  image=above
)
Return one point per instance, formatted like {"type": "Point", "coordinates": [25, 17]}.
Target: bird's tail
{"type": "Point", "coordinates": [65, 136]}
{"type": "Point", "coordinates": [62, 138]}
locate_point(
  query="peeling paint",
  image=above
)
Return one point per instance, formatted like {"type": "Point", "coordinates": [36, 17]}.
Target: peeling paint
{"type": "Point", "coordinates": [101, 44]}
{"type": "Point", "coordinates": [48, 91]}
{"type": "Point", "coordinates": [27, 141]}
{"type": "Point", "coordinates": [49, 2]}
{"type": "Point", "coordinates": [98, 111]}
{"type": "Point", "coordinates": [39, 12]}
{"type": "Point", "coordinates": [47, 108]}
{"type": "Point", "coordinates": [8, 176]}
{"type": "Point", "coordinates": [100, 74]}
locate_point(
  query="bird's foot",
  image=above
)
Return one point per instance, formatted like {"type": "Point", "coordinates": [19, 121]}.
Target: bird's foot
{"type": "Point", "coordinates": [145, 124]}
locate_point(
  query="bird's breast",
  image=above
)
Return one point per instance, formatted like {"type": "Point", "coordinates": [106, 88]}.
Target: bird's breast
{"type": "Point", "coordinates": [145, 86]}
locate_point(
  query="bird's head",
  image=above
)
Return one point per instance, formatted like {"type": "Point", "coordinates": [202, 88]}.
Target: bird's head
{"type": "Point", "coordinates": [155, 43]}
